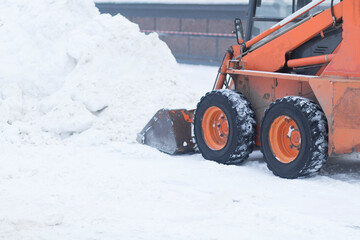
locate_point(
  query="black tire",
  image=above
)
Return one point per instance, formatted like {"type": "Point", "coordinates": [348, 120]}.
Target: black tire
{"type": "Point", "coordinates": [241, 126]}
{"type": "Point", "coordinates": [313, 129]}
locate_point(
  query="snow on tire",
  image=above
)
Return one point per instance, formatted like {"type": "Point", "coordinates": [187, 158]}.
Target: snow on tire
{"type": "Point", "coordinates": [225, 127]}
{"type": "Point", "coordinates": [294, 137]}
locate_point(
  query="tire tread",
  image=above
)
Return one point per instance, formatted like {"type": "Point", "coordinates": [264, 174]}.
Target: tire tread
{"type": "Point", "coordinates": [319, 133]}
{"type": "Point", "coordinates": [245, 123]}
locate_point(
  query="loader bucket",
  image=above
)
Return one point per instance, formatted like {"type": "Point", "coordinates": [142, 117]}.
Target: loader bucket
{"type": "Point", "coordinates": [169, 131]}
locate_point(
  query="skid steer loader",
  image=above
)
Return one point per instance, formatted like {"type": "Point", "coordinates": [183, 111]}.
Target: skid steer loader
{"type": "Point", "coordinates": [293, 90]}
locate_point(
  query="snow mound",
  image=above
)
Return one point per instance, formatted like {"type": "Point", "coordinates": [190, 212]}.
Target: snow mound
{"type": "Point", "coordinates": [69, 73]}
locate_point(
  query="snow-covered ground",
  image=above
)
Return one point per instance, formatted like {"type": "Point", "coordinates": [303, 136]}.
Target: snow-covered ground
{"type": "Point", "coordinates": [127, 191]}
{"type": "Point", "coordinates": [130, 191]}
{"type": "Point", "coordinates": [74, 91]}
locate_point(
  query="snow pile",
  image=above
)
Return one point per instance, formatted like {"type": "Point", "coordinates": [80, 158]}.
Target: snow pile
{"type": "Point", "coordinates": [66, 70]}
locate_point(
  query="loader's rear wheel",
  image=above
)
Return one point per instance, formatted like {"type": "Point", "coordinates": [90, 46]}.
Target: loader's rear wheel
{"type": "Point", "coordinates": [215, 128]}
{"type": "Point", "coordinates": [224, 127]}
{"type": "Point", "coordinates": [294, 137]}
{"type": "Point", "coordinates": [285, 139]}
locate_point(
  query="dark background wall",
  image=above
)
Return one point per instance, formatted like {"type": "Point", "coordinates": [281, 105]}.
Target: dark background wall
{"type": "Point", "coordinates": [186, 28]}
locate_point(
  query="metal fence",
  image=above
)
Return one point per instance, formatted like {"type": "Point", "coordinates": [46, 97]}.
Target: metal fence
{"type": "Point", "coordinates": [195, 33]}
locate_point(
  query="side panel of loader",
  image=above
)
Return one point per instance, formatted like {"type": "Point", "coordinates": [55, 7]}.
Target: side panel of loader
{"type": "Point", "coordinates": [340, 100]}
{"type": "Point", "coordinates": [262, 91]}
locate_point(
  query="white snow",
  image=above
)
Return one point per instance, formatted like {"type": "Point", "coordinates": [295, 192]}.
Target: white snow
{"type": "Point", "coordinates": [129, 191]}
{"type": "Point", "coordinates": [66, 71]}
{"type": "Point", "coordinates": [75, 87]}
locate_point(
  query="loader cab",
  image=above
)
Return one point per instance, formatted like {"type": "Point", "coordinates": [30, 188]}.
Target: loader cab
{"type": "Point", "coordinates": [263, 14]}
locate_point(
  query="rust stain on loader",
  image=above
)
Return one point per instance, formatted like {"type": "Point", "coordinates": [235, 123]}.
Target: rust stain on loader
{"type": "Point", "coordinates": [348, 109]}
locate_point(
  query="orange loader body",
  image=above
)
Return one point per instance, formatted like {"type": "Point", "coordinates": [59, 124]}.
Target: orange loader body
{"type": "Point", "coordinates": [264, 71]}
{"type": "Point", "coordinates": [336, 87]}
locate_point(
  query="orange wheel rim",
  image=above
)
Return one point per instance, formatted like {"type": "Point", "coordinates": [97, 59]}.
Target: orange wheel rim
{"type": "Point", "coordinates": [215, 128]}
{"type": "Point", "coordinates": [285, 139]}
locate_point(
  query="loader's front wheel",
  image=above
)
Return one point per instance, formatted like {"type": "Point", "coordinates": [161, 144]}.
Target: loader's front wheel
{"type": "Point", "coordinates": [224, 127]}
{"type": "Point", "coordinates": [294, 137]}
